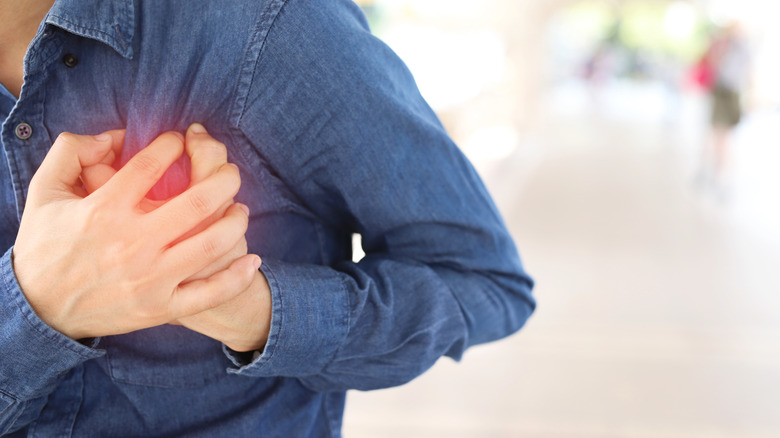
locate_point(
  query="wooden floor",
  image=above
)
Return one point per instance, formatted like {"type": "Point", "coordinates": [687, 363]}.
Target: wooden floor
{"type": "Point", "coordinates": [659, 300]}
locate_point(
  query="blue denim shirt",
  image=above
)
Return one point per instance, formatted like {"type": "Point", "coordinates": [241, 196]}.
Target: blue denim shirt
{"type": "Point", "coordinates": [332, 138]}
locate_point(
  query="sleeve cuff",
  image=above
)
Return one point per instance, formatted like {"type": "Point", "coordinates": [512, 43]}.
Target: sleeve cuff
{"type": "Point", "coordinates": [309, 322]}
{"type": "Point", "coordinates": [34, 354]}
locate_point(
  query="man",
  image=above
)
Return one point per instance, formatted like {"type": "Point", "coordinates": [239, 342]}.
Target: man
{"type": "Point", "coordinates": [330, 138]}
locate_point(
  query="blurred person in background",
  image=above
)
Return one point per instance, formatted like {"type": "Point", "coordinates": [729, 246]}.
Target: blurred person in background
{"type": "Point", "coordinates": [723, 70]}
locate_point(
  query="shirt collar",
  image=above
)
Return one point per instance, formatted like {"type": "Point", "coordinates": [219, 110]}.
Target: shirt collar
{"type": "Point", "coordinates": [110, 22]}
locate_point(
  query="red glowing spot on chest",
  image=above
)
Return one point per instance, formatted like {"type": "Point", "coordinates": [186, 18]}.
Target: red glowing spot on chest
{"type": "Point", "coordinates": [174, 181]}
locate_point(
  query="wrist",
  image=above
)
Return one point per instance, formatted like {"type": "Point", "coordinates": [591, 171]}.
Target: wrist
{"type": "Point", "coordinates": [255, 334]}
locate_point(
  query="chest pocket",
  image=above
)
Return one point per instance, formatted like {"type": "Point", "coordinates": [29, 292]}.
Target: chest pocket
{"type": "Point", "coordinates": [165, 357]}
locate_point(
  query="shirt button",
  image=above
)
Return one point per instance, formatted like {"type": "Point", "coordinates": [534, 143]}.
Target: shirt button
{"type": "Point", "coordinates": [23, 131]}
{"type": "Point", "coordinates": [70, 60]}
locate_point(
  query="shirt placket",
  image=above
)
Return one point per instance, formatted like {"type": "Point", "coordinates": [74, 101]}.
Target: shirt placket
{"type": "Point", "coordinates": [24, 136]}
{"type": "Point", "coordinates": [26, 141]}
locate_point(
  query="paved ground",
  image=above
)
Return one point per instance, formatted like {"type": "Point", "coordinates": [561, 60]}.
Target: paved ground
{"type": "Point", "coordinates": [659, 311]}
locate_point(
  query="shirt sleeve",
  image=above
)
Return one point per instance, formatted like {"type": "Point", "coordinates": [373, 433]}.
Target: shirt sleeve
{"type": "Point", "coordinates": [35, 357]}
{"type": "Point", "coordinates": [338, 117]}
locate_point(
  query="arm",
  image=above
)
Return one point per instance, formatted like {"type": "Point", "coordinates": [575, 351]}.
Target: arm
{"type": "Point", "coordinates": [338, 118]}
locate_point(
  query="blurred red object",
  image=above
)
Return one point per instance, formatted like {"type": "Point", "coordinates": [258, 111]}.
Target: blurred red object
{"type": "Point", "coordinates": [702, 74]}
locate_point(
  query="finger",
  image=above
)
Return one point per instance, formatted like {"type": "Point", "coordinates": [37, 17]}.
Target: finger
{"type": "Point", "coordinates": [117, 144]}
{"type": "Point", "coordinates": [201, 295]}
{"type": "Point", "coordinates": [206, 154]}
{"type": "Point", "coordinates": [134, 180]}
{"type": "Point", "coordinates": [238, 250]}
{"type": "Point", "coordinates": [94, 177]}
{"type": "Point", "coordinates": [183, 212]}
{"type": "Point", "coordinates": [195, 253]}
{"type": "Point", "coordinates": [109, 158]}
{"type": "Point", "coordinates": [68, 156]}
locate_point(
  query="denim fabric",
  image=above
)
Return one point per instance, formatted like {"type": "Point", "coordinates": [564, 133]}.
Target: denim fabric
{"type": "Point", "coordinates": [332, 138]}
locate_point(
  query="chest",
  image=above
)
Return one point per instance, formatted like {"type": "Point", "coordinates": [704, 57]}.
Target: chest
{"type": "Point", "coordinates": [81, 100]}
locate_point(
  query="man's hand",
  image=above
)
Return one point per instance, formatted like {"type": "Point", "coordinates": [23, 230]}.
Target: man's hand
{"type": "Point", "coordinates": [243, 322]}
{"type": "Point", "coordinates": [102, 264]}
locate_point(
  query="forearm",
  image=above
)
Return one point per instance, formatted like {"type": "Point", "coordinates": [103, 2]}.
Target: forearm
{"type": "Point", "coordinates": [381, 322]}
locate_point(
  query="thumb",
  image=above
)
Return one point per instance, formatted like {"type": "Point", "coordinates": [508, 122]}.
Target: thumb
{"type": "Point", "coordinates": [59, 173]}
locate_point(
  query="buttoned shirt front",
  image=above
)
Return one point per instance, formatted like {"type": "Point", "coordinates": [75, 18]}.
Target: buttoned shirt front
{"type": "Point", "coordinates": [331, 138]}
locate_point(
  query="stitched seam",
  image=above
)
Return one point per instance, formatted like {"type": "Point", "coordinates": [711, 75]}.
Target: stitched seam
{"type": "Point", "coordinates": [274, 343]}
{"type": "Point", "coordinates": [253, 56]}
{"type": "Point", "coordinates": [86, 31]}
{"type": "Point", "coordinates": [21, 199]}
{"type": "Point", "coordinates": [347, 321]}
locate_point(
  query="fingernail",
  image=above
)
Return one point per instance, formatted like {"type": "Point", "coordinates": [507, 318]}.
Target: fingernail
{"type": "Point", "coordinates": [256, 262]}
{"type": "Point", "coordinates": [244, 208]}
{"type": "Point", "coordinates": [103, 137]}
{"type": "Point", "coordinates": [197, 128]}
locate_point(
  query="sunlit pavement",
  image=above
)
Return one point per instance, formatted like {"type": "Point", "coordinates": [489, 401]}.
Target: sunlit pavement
{"type": "Point", "coordinates": [659, 301]}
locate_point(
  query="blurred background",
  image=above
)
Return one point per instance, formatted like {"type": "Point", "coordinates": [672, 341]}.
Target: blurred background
{"type": "Point", "coordinates": [652, 232]}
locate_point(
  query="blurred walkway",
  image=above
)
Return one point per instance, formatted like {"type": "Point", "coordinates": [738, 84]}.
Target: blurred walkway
{"type": "Point", "coordinates": [659, 311]}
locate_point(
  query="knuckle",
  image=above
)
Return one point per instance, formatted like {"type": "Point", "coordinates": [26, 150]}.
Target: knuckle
{"type": "Point", "coordinates": [146, 164]}
{"type": "Point", "coordinates": [200, 204]}
{"type": "Point", "coordinates": [141, 304]}
{"type": "Point", "coordinates": [229, 169]}
{"type": "Point", "coordinates": [235, 228]}
{"type": "Point", "coordinates": [66, 138]}
{"type": "Point", "coordinates": [211, 248]}
{"type": "Point", "coordinates": [243, 224]}
{"type": "Point", "coordinates": [97, 215]}
{"type": "Point", "coordinates": [232, 175]}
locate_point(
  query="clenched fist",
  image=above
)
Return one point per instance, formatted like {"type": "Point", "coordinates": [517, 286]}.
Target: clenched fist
{"type": "Point", "coordinates": [103, 263]}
